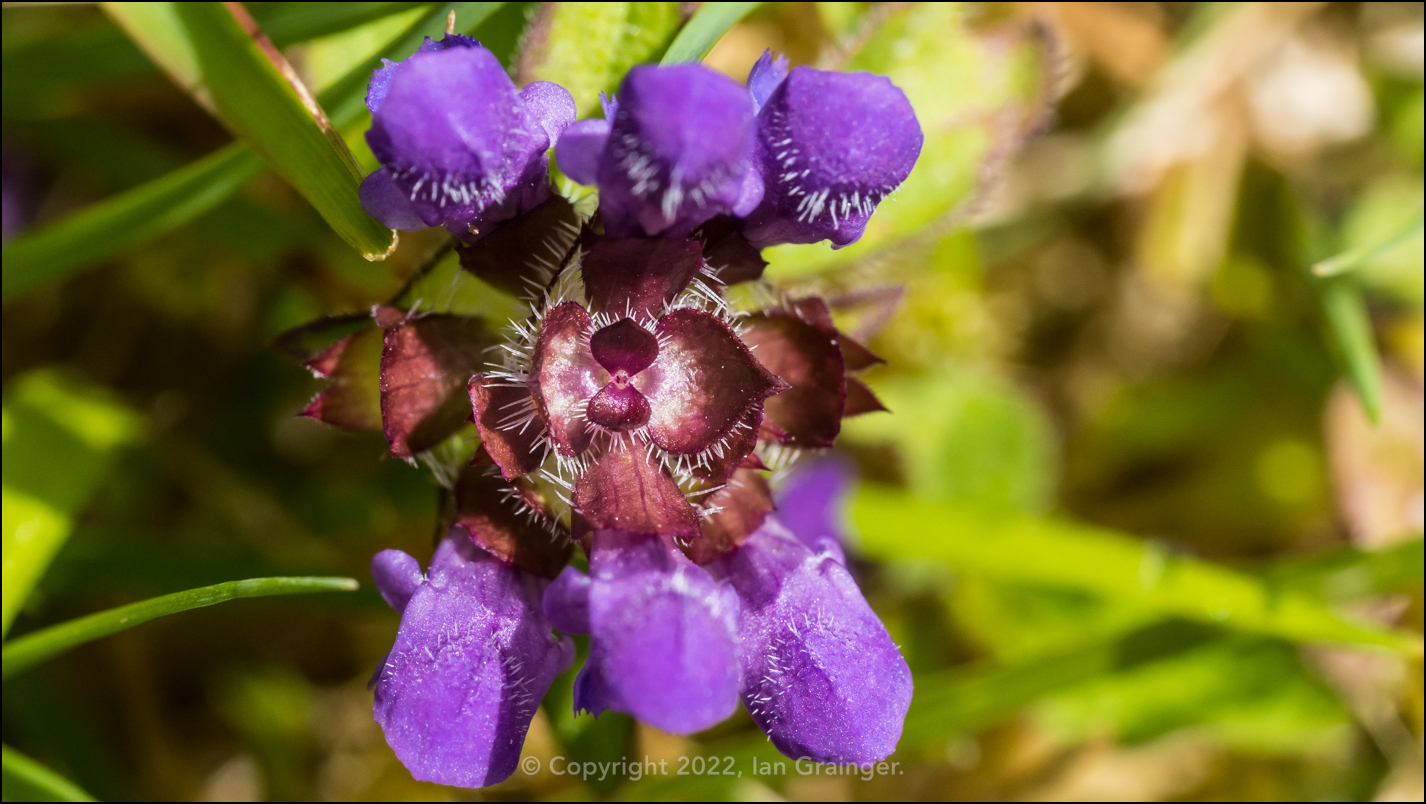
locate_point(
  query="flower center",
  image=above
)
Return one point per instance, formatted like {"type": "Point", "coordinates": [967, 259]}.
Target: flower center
{"type": "Point", "coordinates": [624, 349]}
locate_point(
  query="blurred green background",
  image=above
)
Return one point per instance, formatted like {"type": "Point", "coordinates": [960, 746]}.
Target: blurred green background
{"type": "Point", "coordinates": [1130, 520]}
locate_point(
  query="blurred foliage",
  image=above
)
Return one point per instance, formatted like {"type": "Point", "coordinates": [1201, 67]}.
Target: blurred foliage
{"type": "Point", "coordinates": [1127, 520]}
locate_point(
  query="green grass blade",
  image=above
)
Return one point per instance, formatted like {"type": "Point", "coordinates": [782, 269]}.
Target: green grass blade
{"type": "Point", "coordinates": [113, 226]}
{"type": "Point", "coordinates": [215, 52]}
{"type": "Point", "coordinates": [31, 649]}
{"type": "Point", "coordinates": [59, 441]}
{"type": "Point", "coordinates": [1110, 565]}
{"type": "Point", "coordinates": [1349, 260]}
{"type": "Point", "coordinates": [1347, 314]}
{"type": "Point", "coordinates": [28, 780]}
{"type": "Point", "coordinates": [117, 224]}
{"type": "Point", "coordinates": [289, 23]}
{"type": "Point", "coordinates": [704, 30]}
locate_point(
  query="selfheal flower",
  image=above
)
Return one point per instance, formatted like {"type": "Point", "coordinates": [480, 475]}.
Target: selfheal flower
{"type": "Point", "coordinates": [820, 674]}
{"type": "Point", "coordinates": [636, 365]}
{"type": "Point", "coordinates": [830, 147]}
{"type": "Point", "coordinates": [459, 146]}
{"type": "Point", "coordinates": [675, 150]}
{"type": "Point", "coordinates": [663, 643]}
{"type": "Point", "coordinates": [472, 659]}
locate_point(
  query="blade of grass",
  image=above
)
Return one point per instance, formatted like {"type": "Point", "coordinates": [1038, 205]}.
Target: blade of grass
{"type": "Point", "coordinates": [1111, 565]}
{"type": "Point", "coordinates": [1349, 260]}
{"type": "Point", "coordinates": [110, 227]}
{"type": "Point", "coordinates": [704, 30]}
{"type": "Point", "coordinates": [28, 780]}
{"type": "Point", "coordinates": [131, 218]}
{"type": "Point", "coordinates": [1352, 327]}
{"type": "Point", "coordinates": [217, 54]}
{"type": "Point", "coordinates": [31, 649]}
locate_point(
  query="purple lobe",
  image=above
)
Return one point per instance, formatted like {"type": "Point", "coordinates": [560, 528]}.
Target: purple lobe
{"type": "Point", "coordinates": [472, 658]}
{"type": "Point", "coordinates": [579, 148]}
{"type": "Point", "coordinates": [386, 202]}
{"type": "Point", "coordinates": [551, 104]}
{"type": "Point", "coordinates": [624, 346]}
{"type": "Point", "coordinates": [566, 602]}
{"type": "Point", "coordinates": [663, 645]}
{"type": "Point", "coordinates": [766, 75]}
{"type": "Point", "coordinates": [397, 575]}
{"type": "Point", "coordinates": [820, 674]}
{"type": "Point", "coordinates": [680, 149]}
{"type": "Point", "coordinates": [808, 500]}
{"type": "Point", "coordinates": [831, 146]}
{"type": "Point", "coordinates": [458, 141]}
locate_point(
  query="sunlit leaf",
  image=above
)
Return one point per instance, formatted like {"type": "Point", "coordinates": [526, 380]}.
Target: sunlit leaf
{"type": "Point", "coordinates": [1068, 555]}
{"type": "Point", "coordinates": [704, 30]}
{"type": "Point", "coordinates": [28, 780]}
{"type": "Point", "coordinates": [59, 439]}
{"type": "Point", "coordinates": [587, 47]}
{"type": "Point", "coordinates": [976, 94]}
{"type": "Point", "coordinates": [31, 649]}
{"type": "Point", "coordinates": [1352, 328]}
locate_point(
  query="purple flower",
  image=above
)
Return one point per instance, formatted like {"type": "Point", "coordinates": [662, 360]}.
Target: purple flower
{"type": "Point", "coordinates": [459, 146]}
{"type": "Point", "coordinates": [820, 674]}
{"type": "Point", "coordinates": [830, 147]}
{"type": "Point", "coordinates": [674, 151]}
{"type": "Point", "coordinates": [472, 659]}
{"type": "Point", "coordinates": [663, 643]}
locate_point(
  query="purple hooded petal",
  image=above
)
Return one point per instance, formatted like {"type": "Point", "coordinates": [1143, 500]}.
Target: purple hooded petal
{"type": "Point", "coordinates": [551, 104]}
{"type": "Point", "coordinates": [820, 674]}
{"type": "Point", "coordinates": [566, 602]}
{"type": "Point", "coordinates": [831, 146]}
{"type": "Point", "coordinates": [579, 148]}
{"type": "Point", "coordinates": [458, 140]}
{"type": "Point", "coordinates": [766, 75]}
{"type": "Point", "coordinates": [472, 659]}
{"type": "Point", "coordinates": [386, 202]}
{"type": "Point", "coordinates": [663, 645]}
{"type": "Point", "coordinates": [381, 76]}
{"type": "Point", "coordinates": [397, 576]}
{"type": "Point", "coordinates": [807, 503]}
{"type": "Point", "coordinates": [680, 149]}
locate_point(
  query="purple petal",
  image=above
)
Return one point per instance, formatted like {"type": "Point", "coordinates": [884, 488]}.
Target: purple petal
{"type": "Point", "coordinates": [831, 146]}
{"type": "Point", "coordinates": [551, 104]}
{"type": "Point", "coordinates": [426, 365]}
{"type": "Point", "coordinates": [458, 140]}
{"type": "Point", "coordinates": [808, 500]}
{"type": "Point", "coordinates": [566, 602]}
{"type": "Point", "coordinates": [663, 644]}
{"type": "Point", "coordinates": [579, 148]}
{"type": "Point", "coordinates": [381, 76]}
{"type": "Point", "coordinates": [397, 575]}
{"type": "Point", "coordinates": [637, 276]}
{"type": "Point", "coordinates": [610, 105]}
{"type": "Point", "coordinates": [820, 674]}
{"type": "Point", "coordinates": [563, 374]}
{"type": "Point", "coordinates": [472, 659]}
{"type": "Point", "coordinates": [515, 527]}
{"type": "Point", "coordinates": [386, 202]}
{"type": "Point", "coordinates": [766, 75]}
{"type": "Point", "coordinates": [680, 148]}
{"type": "Point", "coordinates": [624, 346]}
{"type": "Point", "coordinates": [510, 429]}
{"type": "Point", "coordinates": [624, 489]}
{"type": "Point", "coordinates": [703, 383]}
